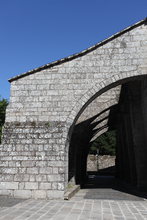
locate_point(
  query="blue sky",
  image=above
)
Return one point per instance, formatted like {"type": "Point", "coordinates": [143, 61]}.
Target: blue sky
{"type": "Point", "coordinates": [37, 32]}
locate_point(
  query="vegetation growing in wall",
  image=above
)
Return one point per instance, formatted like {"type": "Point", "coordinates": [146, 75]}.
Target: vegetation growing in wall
{"type": "Point", "coordinates": [3, 105]}
{"type": "Point", "coordinates": [105, 144]}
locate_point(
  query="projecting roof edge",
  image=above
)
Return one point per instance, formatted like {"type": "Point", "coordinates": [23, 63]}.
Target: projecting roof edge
{"type": "Point", "coordinates": [82, 53]}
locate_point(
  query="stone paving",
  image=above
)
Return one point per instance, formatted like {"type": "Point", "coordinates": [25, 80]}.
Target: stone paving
{"type": "Point", "coordinates": [86, 204]}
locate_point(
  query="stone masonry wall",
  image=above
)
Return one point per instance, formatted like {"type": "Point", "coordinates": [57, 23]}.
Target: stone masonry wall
{"type": "Point", "coordinates": [104, 161]}
{"type": "Point", "coordinates": [34, 158]}
{"type": "Point", "coordinates": [51, 94]}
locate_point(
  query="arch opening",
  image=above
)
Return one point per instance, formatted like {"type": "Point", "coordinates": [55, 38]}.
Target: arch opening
{"type": "Point", "coordinates": [120, 108]}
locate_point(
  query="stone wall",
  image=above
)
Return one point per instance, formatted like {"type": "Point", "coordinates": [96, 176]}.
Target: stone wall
{"type": "Point", "coordinates": [104, 161]}
{"type": "Point", "coordinates": [32, 160]}
{"type": "Point", "coordinates": [54, 96]}
{"type": "Point", "coordinates": [59, 92]}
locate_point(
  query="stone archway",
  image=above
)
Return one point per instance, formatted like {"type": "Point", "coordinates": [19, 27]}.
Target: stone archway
{"type": "Point", "coordinates": [100, 88]}
{"type": "Point", "coordinates": [134, 175]}
{"type": "Point", "coordinates": [46, 102]}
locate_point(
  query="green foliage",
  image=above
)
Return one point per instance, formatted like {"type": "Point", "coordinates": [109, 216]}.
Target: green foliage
{"type": "Point", "coordinates": [3, 105]}
{"type": "Point", "coordinates": [105, 143]}
{"type": "Point", "coordinates": [47, 124]}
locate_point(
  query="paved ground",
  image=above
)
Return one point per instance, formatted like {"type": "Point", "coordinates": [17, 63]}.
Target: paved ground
{"type": "Point", "coordinates": [86, 204]}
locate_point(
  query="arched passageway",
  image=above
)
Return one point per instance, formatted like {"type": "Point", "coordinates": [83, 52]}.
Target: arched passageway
{"type": "Point", "coordinates": [124, 110]}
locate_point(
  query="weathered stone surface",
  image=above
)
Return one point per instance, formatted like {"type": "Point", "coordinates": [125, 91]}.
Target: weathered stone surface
{"type": "Point", "coordinates": [45, 186]}
{"type": "Point", "coordinates": [8, 185]}
{"type": "Point", "coordinates": [45, 104]}
{"type": "Point", "coordinates": [22, 194]}
{"type": "Point", "coordinates": [95, 163]}
{"type": "Point", "coordinates": [39, 194]}
{"type": "Point", "coordinates": [29, 185]}
{"type": "Point", "coordinates": [55, 194]}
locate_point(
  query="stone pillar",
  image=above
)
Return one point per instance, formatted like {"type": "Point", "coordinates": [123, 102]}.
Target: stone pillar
{"type": "Point", "coordinates": [132, 130]}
